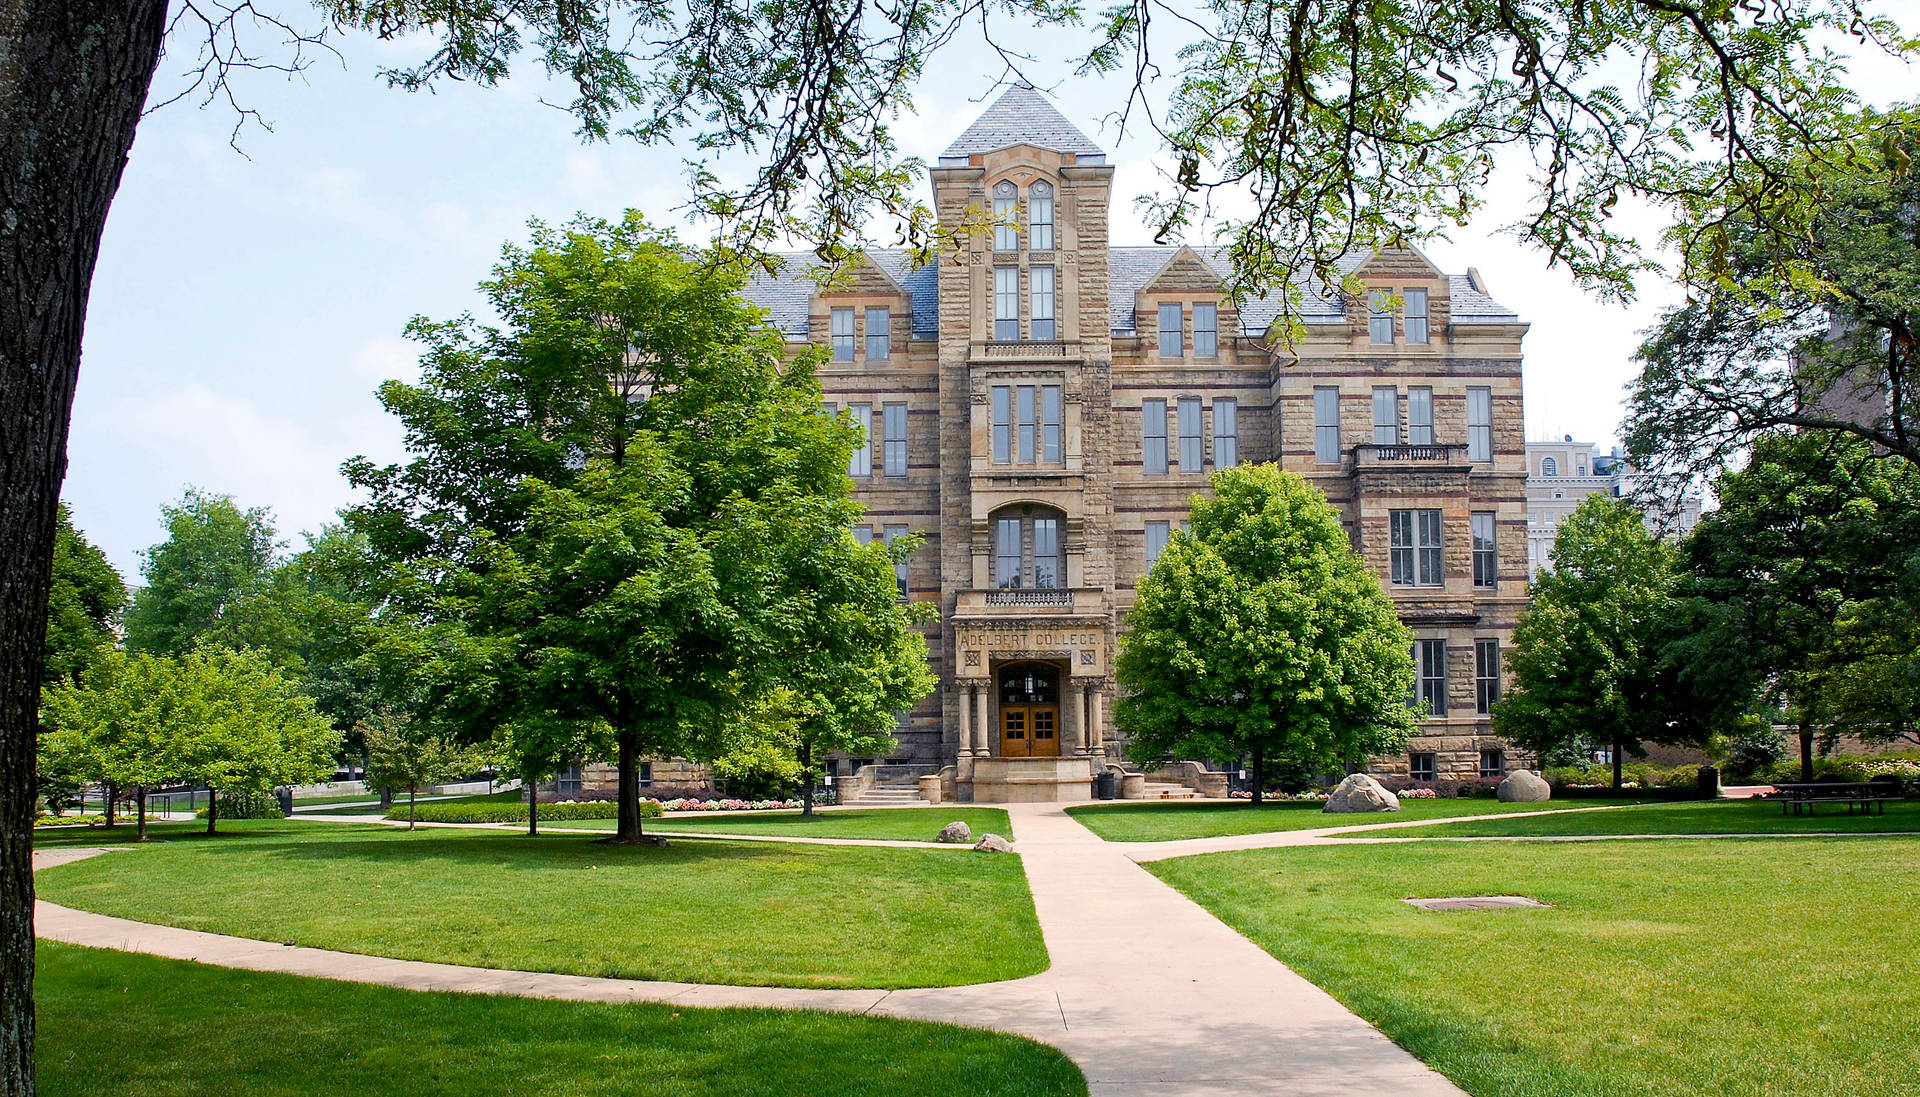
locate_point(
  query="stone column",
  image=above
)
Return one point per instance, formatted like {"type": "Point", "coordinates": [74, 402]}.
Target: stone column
{"type": "Point", "coordinates": [966, 720]}
{"type": "Point", "coordinates": [982, 726]}
{"type": "Point", "coordinates": [1096, 727]}
{"type": "Point", "coordinates": [1071, 741]}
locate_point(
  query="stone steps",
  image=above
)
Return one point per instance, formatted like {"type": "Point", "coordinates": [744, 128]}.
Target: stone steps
{"type": "Point", "coordinates": [887, 796]}
{"type": "Point", "coordinates": [1158, 791]}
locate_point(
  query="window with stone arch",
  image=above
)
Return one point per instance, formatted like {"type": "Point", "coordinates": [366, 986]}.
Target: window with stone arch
{"type": "Point", "coordinates": [1029, 547]}
{"type": "Point", "coordinates": [1006, 206]}
{"type": "Point", "coordinates": [1040, 216]}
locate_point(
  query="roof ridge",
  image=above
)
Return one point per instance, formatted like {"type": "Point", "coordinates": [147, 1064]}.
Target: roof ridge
{"type": "Point", "coordinates": [1022, 116]}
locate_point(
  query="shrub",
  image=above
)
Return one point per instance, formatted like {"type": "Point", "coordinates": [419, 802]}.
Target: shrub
{"type": "Point", "coordinates": [1751, 753]}
{"type": "Point", "coordinates": [517, 813]}
{"type": "Point", "coordinates": [70, 820]}
{"type": "Point", "coordinates": [247, 805]}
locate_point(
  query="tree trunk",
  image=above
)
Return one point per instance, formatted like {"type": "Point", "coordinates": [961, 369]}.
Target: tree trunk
{"type": "Point", "coordinates": [533, 804]}
{"type": "Point", "coordinates": [386, 797]}
{"type": "Point", "coordinates": [213, 809]}
{"type": "Point", "coordinates": [1619, 748]}
{"type": "Point", "coordinates": [1259, 776]}
{"type": "Point", "coordinates": [112, 794]}
{"type": "Point", "coordinates": [74, 75]}
{"type": "Point", "coordinates": [1806, 750]}
{"type": "Point", "coordinates": [140, 832]}
{"type": "Point", "coordinates": [627, 826]}
{"type": "Point", "coordinates": [413, 792]}
{"type": "Point", "coordinates": [806, 780]}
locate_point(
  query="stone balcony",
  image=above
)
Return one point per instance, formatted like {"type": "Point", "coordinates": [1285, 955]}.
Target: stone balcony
{"type": "Point", "coordinates": [1053, 350]}
{"type": "Point", "coordinates": [1372, 455]}
{"type": "Point", "coordinates": [1031, 601]}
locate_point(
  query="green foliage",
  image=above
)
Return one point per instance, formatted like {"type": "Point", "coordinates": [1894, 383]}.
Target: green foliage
{"type": "Point", "coordinates": [432, 812]}
{"type": "Point", "coordinates": [1263, 633]}
{"type": "Point", "coordinates": [405, 754]}
{"type": "Point", "coordinates": [84, 606]}
{"type": "Point", "coordinates": [246, 804]}
{"type": "Point", "coordinates": [1586, 659]}
{"type": "Point", "coordinates": [212, 580]}
{"type": "Point", "coordinates": [1752, 753]}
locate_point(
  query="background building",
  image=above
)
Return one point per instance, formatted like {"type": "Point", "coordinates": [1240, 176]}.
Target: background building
{"type": "Point", "coordinates": [1041, 407]}
{"type": "Point", "coordinates": [1560, 474]}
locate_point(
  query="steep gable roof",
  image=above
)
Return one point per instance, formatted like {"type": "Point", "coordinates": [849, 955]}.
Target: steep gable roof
{"type": "Point", "coordinates": [1021, 116]}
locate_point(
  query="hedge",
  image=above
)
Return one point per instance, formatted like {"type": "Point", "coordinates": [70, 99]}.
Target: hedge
{"type": "Point", "coordinates": [517, 813]}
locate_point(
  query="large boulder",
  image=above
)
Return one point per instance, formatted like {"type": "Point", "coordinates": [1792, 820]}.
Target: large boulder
{"type": "Point", "coordinates": [1360, 792]}
{"type": "Point", "coordinates": [1523, 787]}
{"type": "Point", "coordinates": [954, 832]}
{"type": "Point", "coordinates": [993, 843]}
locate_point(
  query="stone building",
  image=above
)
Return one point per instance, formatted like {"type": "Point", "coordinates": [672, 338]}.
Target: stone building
{"type": "Point", "coordinates": [1041, 407]}
{"type": "Point", "coordinates": [1560, 474]}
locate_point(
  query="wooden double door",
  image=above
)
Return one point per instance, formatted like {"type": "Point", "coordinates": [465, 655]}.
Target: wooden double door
{"type": "Point", "coordinates": [1030, 711]}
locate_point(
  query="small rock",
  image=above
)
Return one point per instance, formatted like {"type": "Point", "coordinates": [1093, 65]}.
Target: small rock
{"type": "Point", "coordinates": [954, 832]}
{"type": "Point", "coordinates": [1360, 792]}
{"type": "Point", "coordinates": [993, 843]}
{"type": "Point", "coordinates": [1522, 787]}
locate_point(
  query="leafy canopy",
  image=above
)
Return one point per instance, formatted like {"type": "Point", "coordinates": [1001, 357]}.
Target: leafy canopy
{"type": "Point", "coordinates": [1262, 632]}
{"type": "Point", "coordinates": [212, 580]}
{"type": "Point", "coordinates": [86, 601]}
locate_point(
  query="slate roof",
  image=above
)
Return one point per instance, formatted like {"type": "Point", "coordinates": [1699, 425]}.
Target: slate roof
{"type": "Point", "coordinates": [786, 297]}
{"type": "Point", "coordinates": [1021, 116]}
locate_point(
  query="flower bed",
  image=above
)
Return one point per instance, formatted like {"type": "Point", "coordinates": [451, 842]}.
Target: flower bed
{"type": "Point", "coordinates": [695, 803]}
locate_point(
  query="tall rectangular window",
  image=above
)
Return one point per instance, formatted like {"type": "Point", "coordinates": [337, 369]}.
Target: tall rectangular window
{"type": "Point", "coordinates": [1420, 416]}
{"type": "Point", "coordinates": [879, 334]}
{"type": "Point", "coordinates": [1006, 552]}
{"type": "Point", "coordinates": [1379, 319]}
{"type": "Point", "coordinates": [861, 464]}
{"type": "Point", "coordinates": [1006, 304]}
{"type": "Point", "coordinates": [1326, 424]}
{"type": "Point", "coordinates": [1157, 534]}
{"type": "Point", "coordinates": [1386, 416]}
{"type": "Point", "coordinates": [1480, 424]}
{"type": "Point", "coordinates": [1413, 547]}
{"type": "Point", "coordinates": [1026, 416]}
{"type": "Point", "coordinates": [1485, 560]}
{"type": "Point", "coordinates": [1430, 691]}
{"type": "Point", "coordinates": [1040, 284]}
{"type": "Point", "coordinates": [1486, 675]}
{"type": "Point", "coordinates": [1171, 344]}
{"type": "Point", "coordinates": [1226, 433]}
{"type": "Point", "coordinates": [1046, 553]}
{"type": "Point", "coordinates": [1193, 448]}
{"type": "Point", "coordinates": [863, 535]}
{"type": "Point", "coordinates": [1002, 424]}
{"type": "Point", "coordinates": [1153, 416]}
{"type": "Point", "coordinates": [1040, 216]}
{"type": "Point", "coordinates": [894, 533]}
{"type": "Point", "coordinates": [1050, 424]}
{"type": "Point", "coordinates": [895, 426]}
{"type": "Point", "coordinates": [840, 326]}
{"type": "Point", "coordinates": [1416, 315]}
{"type": "Point", "coordinates": [1206, 330]}
{"type": "Point", "coordinates": [1006, 208]}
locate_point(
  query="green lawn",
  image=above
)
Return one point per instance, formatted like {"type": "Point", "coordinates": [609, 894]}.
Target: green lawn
{"type": "Point", "coordinates": [1149, 821]}
{"type": "Point", "coordinates": [1713, 817]}
{"type": "Point", "coordinates": [1733, 967]}
{"type": "Point", "coordinates": [699, 911]}
{"type": "Point", "coordinates": [897, 824]}
{"type": "Point", "coordinates": [115, 1022]}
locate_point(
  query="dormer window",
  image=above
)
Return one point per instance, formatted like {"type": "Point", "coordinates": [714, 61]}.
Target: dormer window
{"type": "Point", "coordinates": [1006, 202]}
{"type": "Point", "coordinates": [1416, 316]}
{"type": "Point", "coordinates": [1170, 334]}
{"type": "Point", "coordinates": [1206, 330]}
{"type": "Point", "coordinates": [1040, 216]}
{"type": "Point", "coordinates": [841, 329]}
{"type": "Point", "coordinates": [1379, 317]}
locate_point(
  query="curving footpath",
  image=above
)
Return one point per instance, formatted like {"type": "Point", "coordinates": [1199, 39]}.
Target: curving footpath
{"type": "Point", "coordinates": [1148, 993]}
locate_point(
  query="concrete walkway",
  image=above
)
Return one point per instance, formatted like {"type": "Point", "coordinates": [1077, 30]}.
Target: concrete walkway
{"type": "Point", "coordinates": [1148, 993]}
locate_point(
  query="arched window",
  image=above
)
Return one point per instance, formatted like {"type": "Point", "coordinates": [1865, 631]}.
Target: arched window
{"type": "Point", "coordinates": [1040, 216]}
{"type": "Point", "coordinates": [1006, 203]}
{"type": "Point", "coordinates": [1549, 467]}
{"type": "Point", "coordinates": [1029, 547]}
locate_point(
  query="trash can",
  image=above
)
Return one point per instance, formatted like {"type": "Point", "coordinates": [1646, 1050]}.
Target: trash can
{"type": "Point", "coordinates": [1103, 785]}
{"type": "Point", "coordinates": [1709, 783]}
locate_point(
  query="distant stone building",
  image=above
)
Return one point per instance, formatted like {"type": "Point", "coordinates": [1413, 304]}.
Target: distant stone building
{"type": "Point", "coordinates": [1560, 474]}
{"type": "Point", "coordinates": [1041, 407]}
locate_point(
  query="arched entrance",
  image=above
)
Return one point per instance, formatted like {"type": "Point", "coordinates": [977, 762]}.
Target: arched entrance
{"type": "Point", "coordinates": [1029, 710]}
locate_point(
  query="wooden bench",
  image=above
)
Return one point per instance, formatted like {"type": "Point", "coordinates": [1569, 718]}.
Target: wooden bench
{"type": "Point", "coordinates": [1865, 795]}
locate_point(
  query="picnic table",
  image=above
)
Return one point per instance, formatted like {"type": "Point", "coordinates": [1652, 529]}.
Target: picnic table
{"type": "Point", "coordinates": [1865, 795]}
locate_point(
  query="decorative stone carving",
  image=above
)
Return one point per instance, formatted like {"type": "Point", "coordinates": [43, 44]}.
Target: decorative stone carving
{"type": "Point", "coordinates": [1522, 787]}
{"type": "Point", "coordinates": [954, 833]}
{"type": "Point", "coordinates": [1359, 793]}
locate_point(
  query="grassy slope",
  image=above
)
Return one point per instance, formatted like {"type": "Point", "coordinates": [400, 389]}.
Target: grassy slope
{"type": "Point", "coordinates": [898, 824]}
{"type": "Point", "coordinates": [1716, 817]}
{"type": "Point", "coordinates": [713, 912]}
{"type": "Point", "coordinates": [1735, 967]}
{"type": "Point", "coordinates": [1145, 821]}
{"type": "Point", "coordinates": [121, 1023]}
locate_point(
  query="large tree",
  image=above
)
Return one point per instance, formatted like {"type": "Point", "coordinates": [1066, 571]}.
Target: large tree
{"type": "Point", "coordinates": [1261, 632]}
{"type": "Point", "coordinates": [251, 727]}
{"type": "Point", "coordinates": [1348, 123]}
{"type": "Point", "coordinates": [87, 598]}
{"type": "Point", "coordinates": [119, 723]}
{"type": "Point", "coordinates": [1586, 661]}
{"type": "Point", "coordinates": [1795, 590]}
{"type": "Point", "coordinates": [212, 581]}
{"type": "Point", "coordinates": [600, 511]}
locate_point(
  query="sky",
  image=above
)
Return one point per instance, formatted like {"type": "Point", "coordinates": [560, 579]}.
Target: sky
{"type": "Point", "coordinates": [247, 304]}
